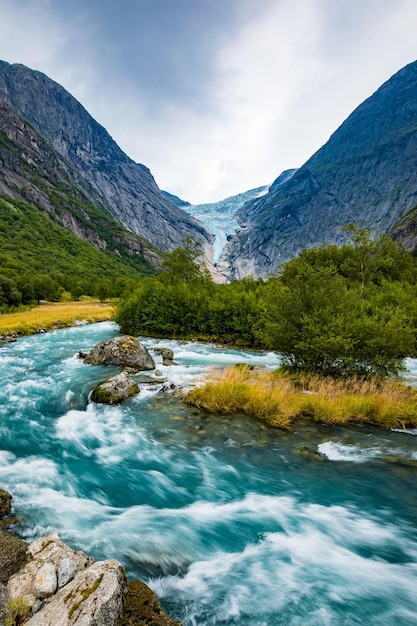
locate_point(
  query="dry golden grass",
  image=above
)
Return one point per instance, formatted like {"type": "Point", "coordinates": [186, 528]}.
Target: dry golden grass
{"type": "Point", "coordinates": [54, 314]}
{"type": "Point", "coordinates": [280, 399]}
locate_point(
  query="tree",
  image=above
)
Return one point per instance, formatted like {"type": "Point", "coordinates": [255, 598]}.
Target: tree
{"type": "Point", "coordinates": [9, 293]}
{"type": "Point", "coordinates": [322, 323]}
{"type": "Point", "coordinates": [44, 288]}
{"type": "Point", "coordinates": [181, 264]}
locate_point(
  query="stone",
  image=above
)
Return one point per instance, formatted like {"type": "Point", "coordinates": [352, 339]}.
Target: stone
{"type": "Point", "coordinates": [7, 339]}
{"type": "Point", "coordinates": [166, 354]}
{"type": "Point", "coordinates": [93, 598]}
{"type": "Point", "coordinates": [13, 552]}
{"type": "Point", "coordinates": [115, 389]}
{"type": "Point", "coordinates": [66, 571]}
{"type": "Point", "coordinates": [167, 388]}
{"type": "Point", "coordinates": [126, 351]}
{"type": "Point", "coordinates": [143, 607]}
{"type": "Point", "coordinates": [47, 549]}
{"type": "Point", "coordinates": [5, 502]}
{"type": "Point", "coordinates": [46, 581]}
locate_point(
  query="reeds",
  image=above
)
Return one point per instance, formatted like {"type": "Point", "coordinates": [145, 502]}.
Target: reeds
{"type": "Point", "coordinates": [279, 399]}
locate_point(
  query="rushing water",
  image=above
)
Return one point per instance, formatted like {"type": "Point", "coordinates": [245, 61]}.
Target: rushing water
{"type": "Point", "coordinates": [229, 521]}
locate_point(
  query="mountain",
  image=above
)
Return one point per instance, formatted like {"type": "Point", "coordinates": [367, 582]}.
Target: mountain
{"type": "Point", "coordinates": [219, 217]}
{"type": "Point", "coordinates": [109, 179]}
{"type": "Point", "coordinates": [365, 173]}
{"type": "Point", "coordinates": [175, 199]}
{"type": "Point", "coordinates": [49, 227]}
{"type": "Point", "coordinates": [32, 171]}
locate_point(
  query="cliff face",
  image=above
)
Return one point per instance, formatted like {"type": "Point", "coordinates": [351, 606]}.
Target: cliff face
{"type": "Point", "coordinates": [124, 189]}
{"type": "Point", "coordinates": [366, 173]}
{"type": "Point", "coordinates": [32, 171]}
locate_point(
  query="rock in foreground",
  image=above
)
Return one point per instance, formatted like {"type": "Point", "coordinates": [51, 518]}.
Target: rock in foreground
{"type": "Point", "coordinates": [115, 389]}
{"type": "Point", "coordinates": [126, 351]}
{"type": "Point", "coordinates": [58, 586]}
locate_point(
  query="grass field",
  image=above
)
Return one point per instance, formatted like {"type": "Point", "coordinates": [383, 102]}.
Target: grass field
{"type": "Point", "coordinates": [54, 315]}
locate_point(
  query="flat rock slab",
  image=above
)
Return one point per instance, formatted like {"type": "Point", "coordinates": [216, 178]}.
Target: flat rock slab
{"type": "Point", "coordinates": [126, 351]}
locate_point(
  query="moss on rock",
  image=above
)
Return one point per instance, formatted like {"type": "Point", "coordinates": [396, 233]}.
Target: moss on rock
{"type": "Point", "coordinates": [13, 552]}
{"type": "Point", "coordinates": [143, 607]}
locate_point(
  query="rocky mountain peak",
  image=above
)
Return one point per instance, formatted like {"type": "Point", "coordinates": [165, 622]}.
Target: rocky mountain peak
{"type": "Point", "coordinates": [365, 173]}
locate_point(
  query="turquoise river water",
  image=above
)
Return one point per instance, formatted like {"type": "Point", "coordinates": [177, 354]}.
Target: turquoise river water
{"type": "Point", "coordinates": [229, 521]}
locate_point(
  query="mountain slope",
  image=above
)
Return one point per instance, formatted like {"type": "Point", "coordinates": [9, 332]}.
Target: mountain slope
{"type": "Point", "coordinates": [114, 183]}
{"type": "Point", "coordinates": [366, 173]}
{"type": "Point", "coordinates": [32, 171]}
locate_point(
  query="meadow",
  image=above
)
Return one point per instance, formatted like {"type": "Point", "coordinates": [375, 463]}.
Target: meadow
{"type": "Point", "coordinates": [53, 315]}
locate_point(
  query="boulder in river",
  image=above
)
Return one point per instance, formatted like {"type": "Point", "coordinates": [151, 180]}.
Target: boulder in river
{"type": "Point", "coordinates": [115, 389]}
{"type": "Point", "coordinates": [166, 354]}
{"type": "Point", "coordinates": [126, 351]}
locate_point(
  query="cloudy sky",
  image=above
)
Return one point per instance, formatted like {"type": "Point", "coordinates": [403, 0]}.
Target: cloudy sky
{"type": "Point", "coordinates": [214, 96]}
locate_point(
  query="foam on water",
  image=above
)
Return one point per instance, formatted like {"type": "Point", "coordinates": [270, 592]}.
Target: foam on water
{"type": "Point", "coordinates": [335, 451]}
{"type": "Point", "coordinates": [305, 565]}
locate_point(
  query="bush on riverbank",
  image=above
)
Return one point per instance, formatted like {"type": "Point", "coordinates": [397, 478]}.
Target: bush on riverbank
{"type": "Point", "coordinates": [280, 399]}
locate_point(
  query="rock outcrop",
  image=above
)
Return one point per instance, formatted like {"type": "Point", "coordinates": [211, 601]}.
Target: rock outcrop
{"type": "Point", "coordinates": [58, 586]}
{"type": "Point", "coordinates": [92, 595]}
{"type": "Point", "coordinates": [47, 583]}
{"type": "Point", "coordinates": [126, 351]}
{"type": "Point", "coordinates": [115, 389]}
{"type": "Point", "coordinates": [364, 174]}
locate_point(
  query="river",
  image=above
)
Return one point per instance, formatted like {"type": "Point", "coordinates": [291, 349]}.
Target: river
{"type": "Point", "coordinates": [230, 522]}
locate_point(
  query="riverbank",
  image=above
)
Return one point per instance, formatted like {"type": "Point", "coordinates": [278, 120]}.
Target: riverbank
{"type": "Point", "coordinates": [279, 399]}
{"type": "Point", "coordinates": [53, 315]}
